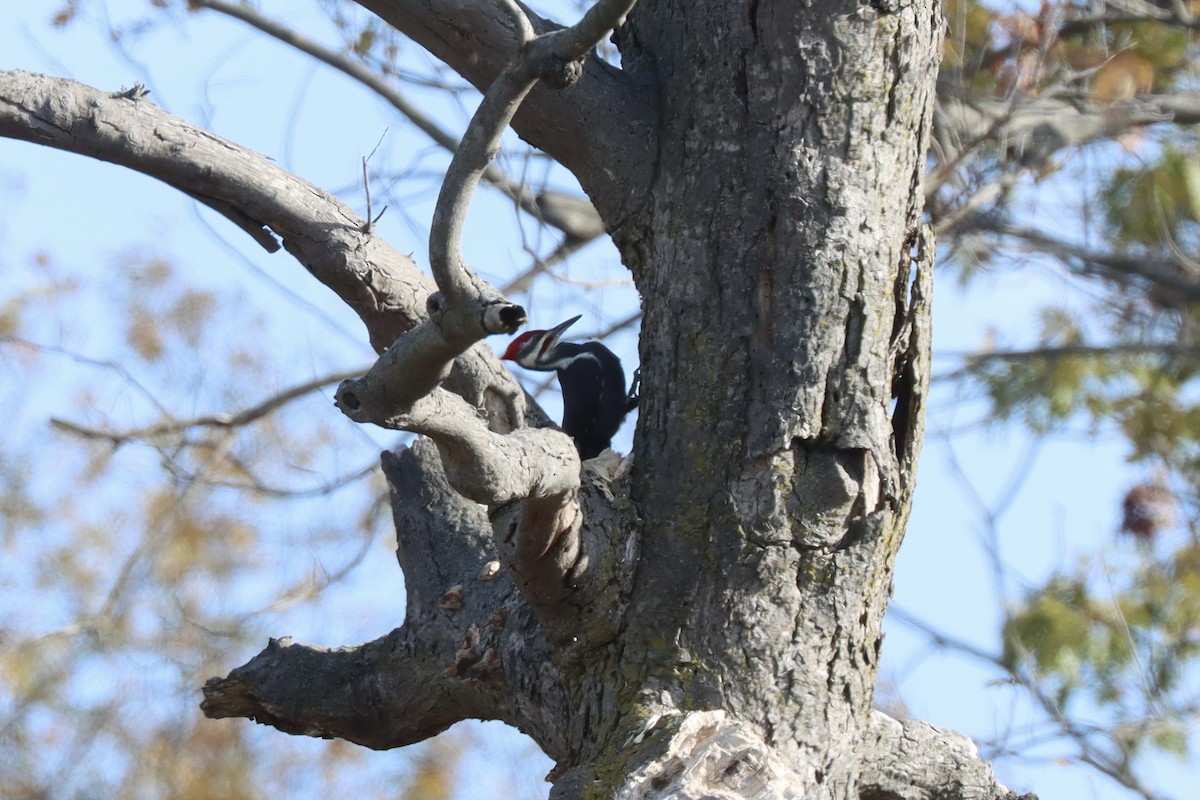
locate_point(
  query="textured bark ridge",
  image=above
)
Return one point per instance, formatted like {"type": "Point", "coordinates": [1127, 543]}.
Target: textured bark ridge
{"type": "Point", "coordinates": [702, 620]}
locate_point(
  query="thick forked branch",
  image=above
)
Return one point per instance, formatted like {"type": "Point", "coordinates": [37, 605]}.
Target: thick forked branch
{"type": "Point", "coordinates": [421, 678]}
{"type": "Point", "coordinates": [539, 468]}
{"type": "Point", "coordinates": [386, 693]}
{"type": "Point", "coordinates": [469, 647]}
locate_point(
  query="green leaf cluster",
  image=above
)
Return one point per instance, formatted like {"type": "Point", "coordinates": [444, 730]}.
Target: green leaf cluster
{"type": "Point", "coordinates": [1123, 648]}
{"type": "Point", "coordinates": [1148, 205]}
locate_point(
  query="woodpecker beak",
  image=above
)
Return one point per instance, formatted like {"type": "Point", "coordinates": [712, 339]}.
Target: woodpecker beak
{"type": "Point", "coordinates": [557, 331]}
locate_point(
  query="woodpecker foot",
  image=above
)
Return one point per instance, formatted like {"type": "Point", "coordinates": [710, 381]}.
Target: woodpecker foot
{"type": "Point", "coordinates": [635, 387]}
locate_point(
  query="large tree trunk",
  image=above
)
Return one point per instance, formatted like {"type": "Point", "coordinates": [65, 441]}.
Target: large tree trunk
{"type": "Point", "coordinates": [773, 470]}
{"type": "Point", "coordinates": [706, 623]}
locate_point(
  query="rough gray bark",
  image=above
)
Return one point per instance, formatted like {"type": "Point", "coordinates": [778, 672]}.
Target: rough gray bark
{"type": "Point", "coordinates": [703, 622]}
{"type": "Point", "coordinates": [781, 321]}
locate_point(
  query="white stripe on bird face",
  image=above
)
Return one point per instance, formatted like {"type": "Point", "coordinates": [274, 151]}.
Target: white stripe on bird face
{"type": "Point", "coordinates": [567, 361]}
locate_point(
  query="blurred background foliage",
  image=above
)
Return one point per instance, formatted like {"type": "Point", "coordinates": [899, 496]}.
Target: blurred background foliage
{"type": "Point", "coordinates": [174, 486]}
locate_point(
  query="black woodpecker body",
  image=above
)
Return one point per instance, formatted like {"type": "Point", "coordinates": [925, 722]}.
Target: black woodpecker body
{"type": "Point", "coordinates": [593, 384]}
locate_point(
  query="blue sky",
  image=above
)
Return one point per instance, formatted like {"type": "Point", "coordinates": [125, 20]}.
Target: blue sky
{"type": "Point", "coordinates": [215, 73]}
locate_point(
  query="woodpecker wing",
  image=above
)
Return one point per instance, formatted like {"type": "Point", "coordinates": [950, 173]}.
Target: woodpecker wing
{"type": "Point", "coordinates": [594, 400]}
{"type": "Point", "coordinates": [583, 390]}
{"type": "Point", "coordinates": [592, 381]}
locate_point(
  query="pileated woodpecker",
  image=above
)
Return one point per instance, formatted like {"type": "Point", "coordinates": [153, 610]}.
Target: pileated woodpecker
{"type": "Point", "coordinates": [592, 379]}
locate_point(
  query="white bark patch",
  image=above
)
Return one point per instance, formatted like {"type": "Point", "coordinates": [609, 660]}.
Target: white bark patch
{"type": "Point", "coordinates": [714, 758]}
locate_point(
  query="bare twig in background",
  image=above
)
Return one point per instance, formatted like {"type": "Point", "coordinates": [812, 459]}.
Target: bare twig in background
{"type": "Point", "coordinates": [227, 421]}
{"type": "Point", "coordinates": [582, 224]}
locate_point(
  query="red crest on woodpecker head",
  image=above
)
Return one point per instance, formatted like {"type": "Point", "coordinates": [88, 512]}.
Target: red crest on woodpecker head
{"type": "Point", "coordinates": [531, 347]}
{"type": "Point", "coordinates": [514, 347]}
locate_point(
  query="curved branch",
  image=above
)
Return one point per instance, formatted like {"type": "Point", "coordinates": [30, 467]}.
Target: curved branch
{"type": "Point", "coordinates": [383, 694]}
{"type": "Point", "coordinates": [321, 231]}
{"type": "Point", "coordinates": [479, 146]}
{"type": "Point", "coordinates": [487, 467]}
{"type": "Point", "coordinates": [550, 57]}
{"type": "Point", "coordinates": [467, 308]}
{"type": "Point", "coordinates": [604, 119]}
{"type": "Point", "coordinates": [580, 224]}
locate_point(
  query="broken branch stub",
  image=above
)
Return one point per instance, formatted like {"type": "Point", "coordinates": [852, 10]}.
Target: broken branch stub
{"type": "Point", "coordinates": [418, 362]}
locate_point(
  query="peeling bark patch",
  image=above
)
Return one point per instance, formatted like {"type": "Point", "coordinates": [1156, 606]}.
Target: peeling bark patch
{"type": "Point", "coordinates": [463, 660]}
{"type": "Point", "coordinates": [498, 618]}
{"type": "Point", "coordinates": [452, 600]}
{"type": "Point", "coordinates": [489, 666]}
{"type": "Point", "coordinates": [709, 755]}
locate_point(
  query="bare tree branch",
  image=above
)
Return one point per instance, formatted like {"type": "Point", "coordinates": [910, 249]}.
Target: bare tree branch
{"type": "Point", "coordinates": [581, 224]}
{"type": "Point", "coordinates": [974, 361]}
{"type": "Point", "coordinates": [581, 129]}
{"type": "Point", "coordinates": [374, 279]}
{"type": "Point", "coordinates": [469, 647]}
{"type": "Point", "coordinates": [384, 287]}
{"type": "Point", "coordinates": [1177, 17]}
{"type": "Point", "coordinates": [1038, 127]}
{"type": "Point", "coordinates": [1170, 276]}
{"type": "Point", "coordinates": [386, 693]}
{"type": "Point", "coordinates": [237, 420]}
{"type": "Point", "coordinates": [548, 57]}
{"type": "Point", "coordinates": [98, 363]}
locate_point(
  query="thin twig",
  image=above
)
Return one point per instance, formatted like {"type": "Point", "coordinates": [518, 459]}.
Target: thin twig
{"type": "Point", "coordinates": [79, 358]}
{"type": "Point", "coordinates": [482, 138]}
{"type": "Point", "coordinates": [225, 421]}
{"type": "Point", "coordinates": [369, 225]}
{"type": "Point", "coordinates": [975, 361]}
{"type": "Point", "coordinates": [1162, 273]}
{"type": "Point", "coordinates": [526, 200]}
